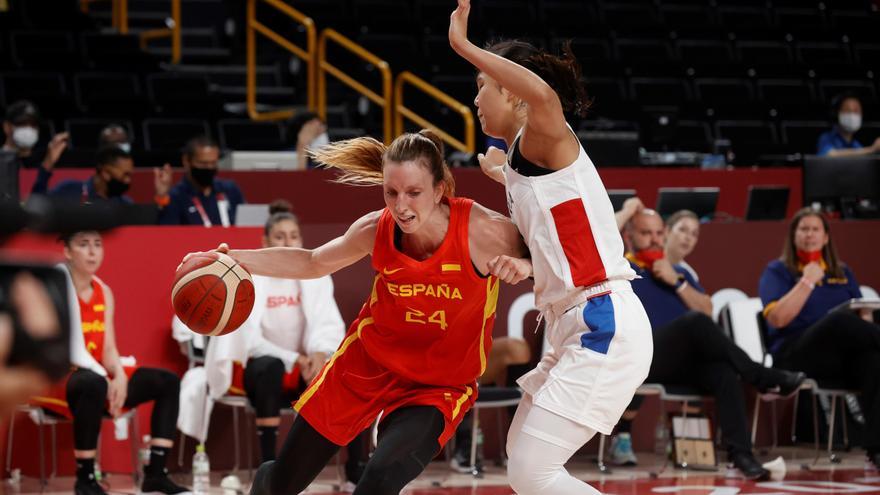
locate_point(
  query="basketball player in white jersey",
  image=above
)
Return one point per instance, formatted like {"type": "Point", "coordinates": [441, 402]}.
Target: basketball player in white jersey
{"type": "Point", "coordinates": [598, 330]}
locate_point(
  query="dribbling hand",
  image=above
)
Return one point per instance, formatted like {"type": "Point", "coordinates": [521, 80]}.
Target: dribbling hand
{"type": "Point", "coordinates": [509, 269]}
{"type": "Point", "coordinates": [222, 248]}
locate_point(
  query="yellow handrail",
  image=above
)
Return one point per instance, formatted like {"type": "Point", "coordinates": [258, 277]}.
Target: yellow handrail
{"type": "Point", "coordinates": [119, 20]}
{"type": "Point", "coordinates": [324, 67]}
{"type": "Point", "coordinates": [307, 55]}
{"type": "Point", "coordinates": [401, 111]}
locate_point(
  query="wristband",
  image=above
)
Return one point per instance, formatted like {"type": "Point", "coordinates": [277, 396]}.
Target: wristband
{"type": "Point", "coordinates": [680, 286]}
{"type": "Point", "coordinates": [806, 282]}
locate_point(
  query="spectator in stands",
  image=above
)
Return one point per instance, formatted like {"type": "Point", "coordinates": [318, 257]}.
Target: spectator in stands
{"type": "Point", "coordinates": [200, 198]}
{"type": "Point", "coordinates": [690, 349]}
{"type": "Point", "coordinates": [22, 129]}
{"type": "Point", "coordinates": [631, 206]}
{"type": "Point", "coordinates": [311, 134]}
{"type": "Point", "coordinates": [100, 383]}
{"type": "Point", "coordinates": [798, 291]}
{"type": "Point", "coordinates": [110, 182]}
{"type": "Point", "coordinates": [846, 110]}
{"type": "Point", "coordinates": [114, 134]}
{"type": "Point", "coordinates": [682, 234]}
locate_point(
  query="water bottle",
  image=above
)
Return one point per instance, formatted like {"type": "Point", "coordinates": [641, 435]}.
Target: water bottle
{"type": "Point", "coordinates": [661, 438]}
{"type": "Point", "coordinates": [201, 468]}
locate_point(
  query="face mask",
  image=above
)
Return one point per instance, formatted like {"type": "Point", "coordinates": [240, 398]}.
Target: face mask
{"type": "Point", "coordinates": [126, 147]}
{"type": "Point", "coordinates": [649, 256]}
{"type": "Point", "coordinates": [319, 142]}
{"type": "Point", "coordinates": [806, 257]}
{"type": "Point", "coordinates": [25, 137]}
{"type": "Point", "coordinates": [850, 121]}
{"type": "Point", "coordinates": [116, 187]}
{"type": "Point", "coordinates": [204, 177]}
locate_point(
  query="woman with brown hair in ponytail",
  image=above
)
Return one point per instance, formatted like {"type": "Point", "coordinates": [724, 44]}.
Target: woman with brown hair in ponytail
{"type": "Point", "coordinates": [421, 339]}
{"type": "Point", "coordinates": [599, 334]}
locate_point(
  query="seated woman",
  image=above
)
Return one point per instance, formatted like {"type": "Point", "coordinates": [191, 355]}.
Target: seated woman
{"type": "Point", "coordinates": [798, 290]}
{"type": "Point", "coordinates": [100, 384]}
{"type": "Point", "coordinates": [293, 330]}
{"type": "Point", "coordinates": [690, 349]}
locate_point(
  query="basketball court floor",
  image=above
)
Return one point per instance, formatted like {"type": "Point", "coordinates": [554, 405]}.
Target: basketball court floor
{"type": "Point", "coordinates": [851, 476]}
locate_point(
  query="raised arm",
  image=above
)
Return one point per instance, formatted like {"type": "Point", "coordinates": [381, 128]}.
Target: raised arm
{"type": "Point", "coordinates": [545, 123]}
{"type": "Point", "coordinates": [298, 263]}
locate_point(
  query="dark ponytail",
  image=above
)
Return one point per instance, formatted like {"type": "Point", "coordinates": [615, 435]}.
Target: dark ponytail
{"type": "Point", "coordinates": [279, 209]}
{"type": "Point", "coordinates": [562, 73]}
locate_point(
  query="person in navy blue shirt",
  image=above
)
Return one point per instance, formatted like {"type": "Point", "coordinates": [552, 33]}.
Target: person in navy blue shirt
{"type": "Point", "coordinates": [798, 291]}
{"type": "Point", "coordinates": [689, 348]}
{"type": "Point", "coordinates": [200, 198]}
{"type": "Point", "coordinates": [112, 178]}
{"type": "Point", "coordinates": [846, 109]}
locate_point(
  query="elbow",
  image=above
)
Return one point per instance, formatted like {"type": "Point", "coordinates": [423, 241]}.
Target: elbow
{"type": "Point", "coordinates": [774, 320]}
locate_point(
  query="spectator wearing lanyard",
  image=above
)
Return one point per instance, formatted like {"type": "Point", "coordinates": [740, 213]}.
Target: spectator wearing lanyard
{"type": "Point", "coordinates": [110, 183]}
{"type": "Point", "coordinates": [798, 291]}
{"type": "Point", "coordinates": [689, 348]}
{"type": "Point", "coordinates": [200, 198]}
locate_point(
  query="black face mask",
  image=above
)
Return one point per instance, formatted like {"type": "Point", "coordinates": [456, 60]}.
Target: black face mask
{"type": "Point", "coordinates": [116, 187]}
{"type": "Point", "coordinates": [204, 177]}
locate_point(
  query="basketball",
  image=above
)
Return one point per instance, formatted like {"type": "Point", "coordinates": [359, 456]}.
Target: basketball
{"type": "Point", "coordinates": [212, 294]}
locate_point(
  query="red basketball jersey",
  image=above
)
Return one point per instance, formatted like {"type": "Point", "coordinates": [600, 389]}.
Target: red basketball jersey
{"type": "Point", "coordinates": [92, 316]}
{"type": "Point", "coordinates": [429, 321]}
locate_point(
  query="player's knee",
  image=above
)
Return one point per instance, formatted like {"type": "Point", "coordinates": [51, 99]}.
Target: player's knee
{"type": "Point", "coordinates": [87, 384]}
{"type": "Point", "coordinates": [379, 477]}
{"type": "Point", "coordinates": [169, 382]}
{"type": "Point", "coordinates": [525, 474]}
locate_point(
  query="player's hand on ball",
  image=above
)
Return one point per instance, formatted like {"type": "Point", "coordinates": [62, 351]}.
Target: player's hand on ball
{"type": "Point", "coordinates": [222, 248]}
{"type": "Point", "coordinates": [509, 269]}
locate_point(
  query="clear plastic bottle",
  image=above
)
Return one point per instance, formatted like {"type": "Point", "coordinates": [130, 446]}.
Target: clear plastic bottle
{"type": "Point", "coordinates": [201, 468]}
{"type": "Point", "coordinates": [661, 438]}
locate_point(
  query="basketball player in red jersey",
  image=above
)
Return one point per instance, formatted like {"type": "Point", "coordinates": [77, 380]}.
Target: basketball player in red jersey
{"type": "Point", "coordinates": [421, 340]}
{"type": "Point", "coordinates": [100, 384]}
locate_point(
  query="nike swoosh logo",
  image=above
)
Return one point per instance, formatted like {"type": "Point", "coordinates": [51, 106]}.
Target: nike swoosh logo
{"type": "Point", "coordinates": [386, 271]}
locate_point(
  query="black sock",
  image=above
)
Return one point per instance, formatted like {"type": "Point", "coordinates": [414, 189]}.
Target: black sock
{"type": "Point", "coordinates": [268, 438]}
{"type": "Point", "coordinates": [624, 426]}
{"type": "Point", "coordinates": [158, 455]}
{"type": "Point", "coordinates": [85, 469]}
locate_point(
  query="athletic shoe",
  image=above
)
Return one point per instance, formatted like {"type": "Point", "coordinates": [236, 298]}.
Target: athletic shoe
{"type": "Point", "coordinates": [261, 479]}
{"type": "Point", "coordinates": [621, 452]}
{"type": "Point", "coordinates": [750, 467]}
{"type": "Point", "coordinates": [785, 383]}
{"type": "Point", "coordinates": [162, 484]}
{"type": "Point", "coordinates": [90, 487]}
{"type": "Point", "coordinates": [461, 463]}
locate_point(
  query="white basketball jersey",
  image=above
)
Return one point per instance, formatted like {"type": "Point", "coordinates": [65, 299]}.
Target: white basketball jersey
{"type": "Point", "coordinates": [568, 223]}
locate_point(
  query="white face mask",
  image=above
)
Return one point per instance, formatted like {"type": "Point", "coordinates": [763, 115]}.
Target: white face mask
{"type": "Point", "coordinates": [850, 121]}
{"type": "Point", "coordinates": [25, 137]}
{"type": "Point", "coordinates": [319, 142]}
{"type": "Point", "coordinates": [126, 147]}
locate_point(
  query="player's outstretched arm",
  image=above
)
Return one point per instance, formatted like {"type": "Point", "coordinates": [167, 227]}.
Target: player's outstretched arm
{"type": "Point", "coordinates": [298, 263]}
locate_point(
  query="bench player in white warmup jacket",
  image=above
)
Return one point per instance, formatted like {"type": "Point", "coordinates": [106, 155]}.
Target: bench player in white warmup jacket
{"type": "Point", "coordinates": [597, 328]}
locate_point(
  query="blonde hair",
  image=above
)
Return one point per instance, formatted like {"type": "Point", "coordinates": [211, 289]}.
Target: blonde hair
{"type": "Point", "coordinates": [361, 160]}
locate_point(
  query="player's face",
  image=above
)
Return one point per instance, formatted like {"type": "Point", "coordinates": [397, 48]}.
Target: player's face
{"type": "Point", "coordinates": [410, 193]}
{"type": "Point", "coordinates": [810, 234]}
{"type": "Point", "coordinates": [646, 232]}
{"type": "Point", "coordinates": [283, 234]}
{"type": "Point", "coordinates": [85, 252]}
{"type": "Point", "coordinates": [495, 106]}
{"type": "Point", "coordinates": [683, 236]}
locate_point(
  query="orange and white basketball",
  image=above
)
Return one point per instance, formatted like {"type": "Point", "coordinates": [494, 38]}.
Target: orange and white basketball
{"type": "Point", "coordinates": [212, 294]}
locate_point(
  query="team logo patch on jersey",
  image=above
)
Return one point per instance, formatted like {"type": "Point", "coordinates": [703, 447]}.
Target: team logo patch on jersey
{"type": "Point", "coordinates": [386, 271]}
{"type": "Point", "coordinates": [451, 267]}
